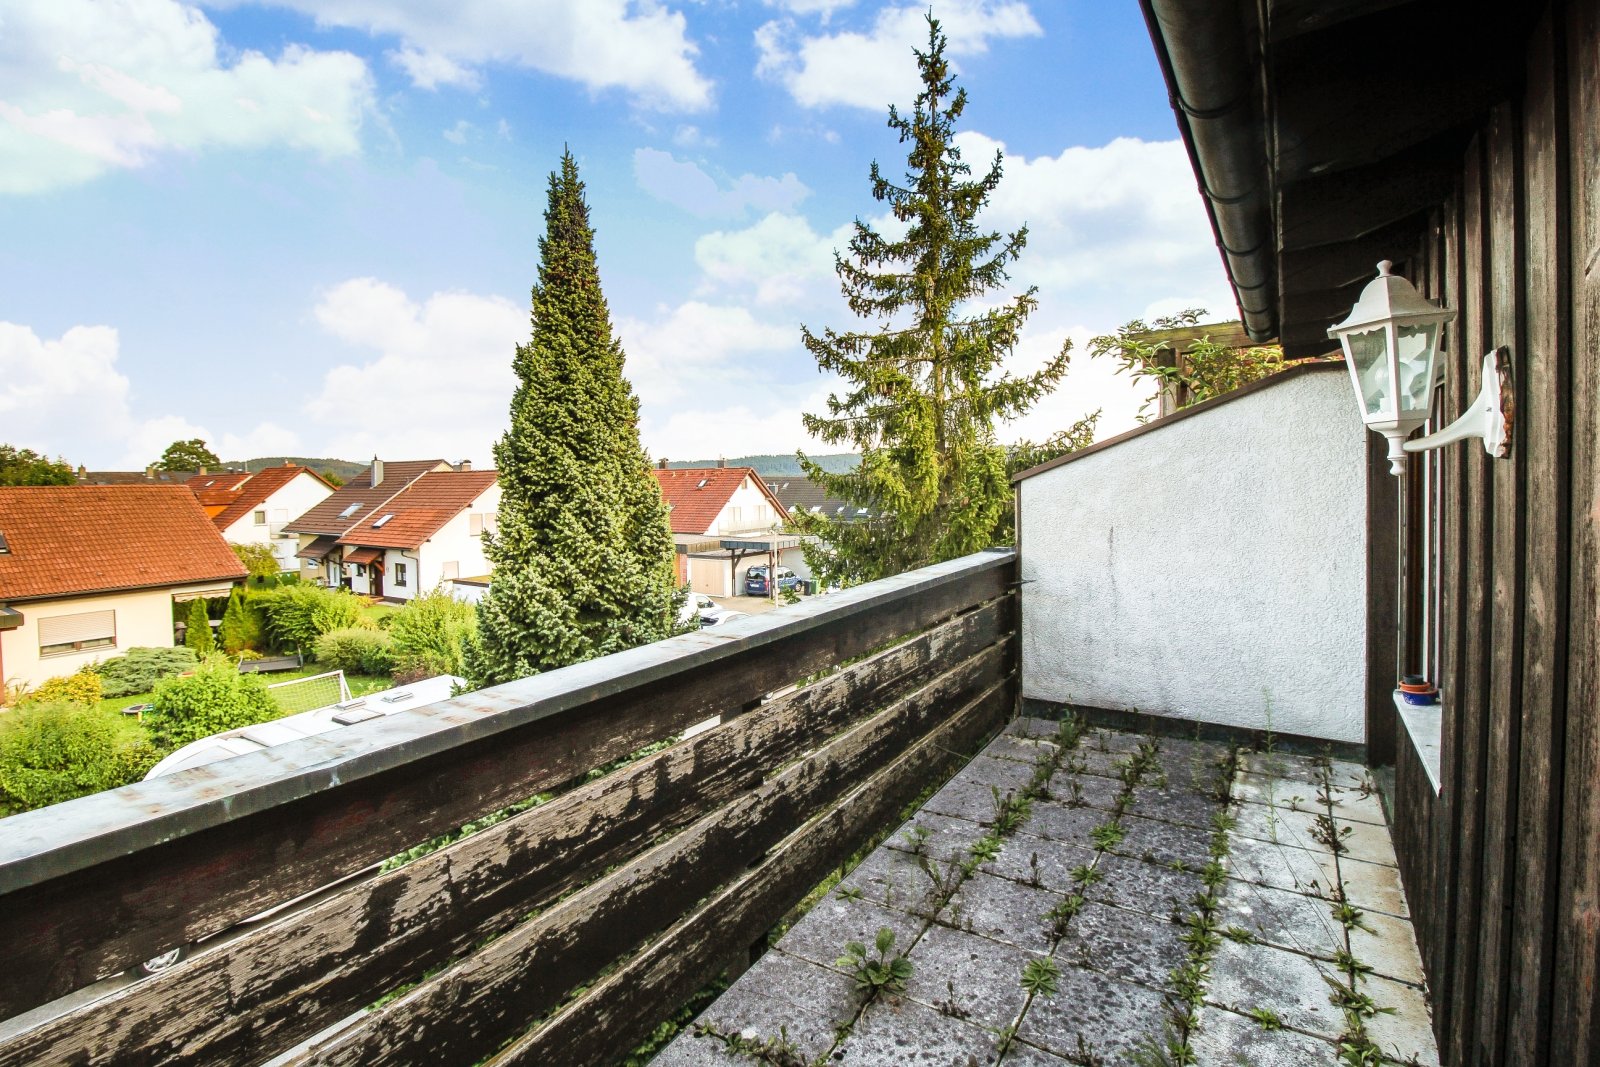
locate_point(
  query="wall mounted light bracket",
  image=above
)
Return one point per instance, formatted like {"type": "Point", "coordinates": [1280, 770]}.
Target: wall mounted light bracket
{"type": "Point", "coordinates": [1490, 416]}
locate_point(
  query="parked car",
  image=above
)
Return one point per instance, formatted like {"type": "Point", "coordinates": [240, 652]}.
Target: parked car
{"type": "Point", "coordinates": [723, 615]}
{"type": "Point", "coordinates": [696, 607]}
{"type": "Point", "coordinates": [755, 580]}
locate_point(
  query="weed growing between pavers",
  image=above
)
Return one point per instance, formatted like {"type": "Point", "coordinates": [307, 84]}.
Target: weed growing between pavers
{"type": "Point", "coordinates": [1201, 936]}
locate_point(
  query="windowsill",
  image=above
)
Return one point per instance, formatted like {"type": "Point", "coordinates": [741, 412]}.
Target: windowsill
{"type": "Point", "coordinates": [1423, 724]}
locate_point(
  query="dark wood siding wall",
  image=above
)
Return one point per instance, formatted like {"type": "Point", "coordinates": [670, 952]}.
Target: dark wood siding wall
{"type": "Point", "coordinates": [1503, 868]}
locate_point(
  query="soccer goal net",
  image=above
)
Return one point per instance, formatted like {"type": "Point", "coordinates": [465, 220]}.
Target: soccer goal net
{"type": "Point", "coordinates": [308, 694]}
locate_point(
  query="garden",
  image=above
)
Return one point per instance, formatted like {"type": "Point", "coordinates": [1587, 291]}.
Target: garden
{"type": "Point", "coordinates": [74, 735]}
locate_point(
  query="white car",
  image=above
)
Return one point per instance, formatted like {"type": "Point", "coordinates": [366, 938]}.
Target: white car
{"type": "Point", "coordinates": [721, 616]}
{"type": "Point", "coordinates": [697, 606]}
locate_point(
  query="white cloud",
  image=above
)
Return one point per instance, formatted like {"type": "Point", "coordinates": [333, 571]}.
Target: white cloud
{"type": "Point", "coordinates": [875, 68]}
{"type": "Point", "coordinates": [684, 185]}
{"type": "Point", "coordinates": [429, 70]}
{"type": "Point", "coordinates": [779, 260]}
{"type": "Point", "coordinates": [761, 420]}
{"type": "Point", "coordinates": [634, 45]}
{"type": "Point", "coordinates": [697, 347]}
{"type": "Point", "coordinates": [460, 132]}
{"type": "Point", "coordinates": [440, 381]}
{"type": "Point", "coordinates": [68, 397]}
{"type": "Point", "coordinates": [691, 136]}
{"type": "Point", "coordinates": [88, 87]}
{"type": "Point", "coordinates": [823, 8]}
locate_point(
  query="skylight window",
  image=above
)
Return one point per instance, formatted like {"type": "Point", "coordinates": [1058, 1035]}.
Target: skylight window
{"type": "Point", "coordinates": [349, 511]}
{"type": "Point", "coordinates": [703, 482]}
{"type": "Point", "coordinates": [5, 549]}
{"type": "Point", "coordinates": [383, 520]}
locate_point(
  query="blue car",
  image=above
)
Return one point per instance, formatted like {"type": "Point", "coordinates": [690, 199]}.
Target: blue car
{"type": "Point", "coordinates": [755, 580]}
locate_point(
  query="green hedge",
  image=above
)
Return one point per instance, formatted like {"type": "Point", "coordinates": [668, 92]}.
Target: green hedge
{"type": "Point", "coordinates": [57, 751]}
{"type": "Point", "coordinates": [296, 615]}
{"type": "Point", "coordinates": [356, 650]}
{"type": "Point", "coordinates": [216, 697]}
{"type": "Point", "coordinates": [140, 669]}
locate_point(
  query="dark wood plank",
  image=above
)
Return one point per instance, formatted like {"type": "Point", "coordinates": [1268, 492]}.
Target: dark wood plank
{"type": "Point", "coordinates": [1383, 602]}
{"type": "Point", "coordinates": [618, 1012]}
{"type": "Point", "coordinates": [1503, 726]}
{"type": "Point", "coordinates": [471, 1008]}
{"type": "Point", "coordinates": [66, 931]}
{"type": "Point", "coordinates": [1543, 409]}
{"type": "Point", "coordinates": [1471, 697]}
{"type": "Point", "coordinates": [1575, 1034]}
{"type": "Point", "coordinates": [281, 983]}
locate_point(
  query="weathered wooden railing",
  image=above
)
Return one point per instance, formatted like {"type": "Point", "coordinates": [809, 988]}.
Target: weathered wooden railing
{"type": "Point", "coordinates": [561, 935]}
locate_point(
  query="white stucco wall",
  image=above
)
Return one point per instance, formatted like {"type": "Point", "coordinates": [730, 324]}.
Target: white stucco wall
{"type": "Point", "coordinates": [1211, 569]}
{"type": "Point", "coordinates": [747, 509]}
{"type": "Point", "coordinates": [302, 493]}
{"type": "Point", "coordinates": [454, 544]}
{"type": "Point", "coordinates": [143, 619]}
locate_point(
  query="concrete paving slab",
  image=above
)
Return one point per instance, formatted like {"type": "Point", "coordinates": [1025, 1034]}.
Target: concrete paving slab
{"type": "Point", "coordinates": [1089, 1011]}
{"type": "Point", "coordinates": [1405, 1033]}
{"type": "Point", "coordinates": [969, 977]}
{"type": "Point", "coordinates": [1153, 888]}
{"type": "Point", "coordinates": [1389, 946]}
{"type": "Point", "coordinates": [1226, 1039]}
{"type": "Point", "coordinates": [1173, 804]}
{"type": "Point", "coordinates": [894, 1030]}
{"type": "Point", "coordinates": [1282, 866]}
{"type": "Point", "coordinates": [1358, 805]}
{"type": "Point", "coordinates": [1083, 760]}
{"type": "Point", "coordinates": [1106, 740]}
{"type": "Point", "coordinates": [1301, 827]}
{"type": "Point", "coordinates": [754, 1011]}
{"type": "Point", "coordinates": [1035, 861]}
{"type": "Point", "coordinates": [1129, 945]}
{"type": "Point", "coordinates": [821, 933]}
{"type": "Point", "coordinates": [1079, 790]}
{"type": "Point", "coordinates": [1259, 789]}
{"type": "Point", "coordinates": [694, 1049]}
{"type": "Point", "coordinates": [894, 878]}
{"type": "Point", "coordinates": [948, 838]}
{"type": "Point", "coordinates": [1003, 910]}
{"type": "Point", "coordinates": [1021, 1054]}
{"type": "Point", "coordinates": [1027, 750]}
{"type": "Point", "coordinates": [1005, 775]}
{"type": "Point", "coordinates": [806, 986]}
{"type": "Point", "coordinates": [1292, 986]}
{"type": "Point", "coordinates": [1061, 822]}
{"type": "Point", "coordinates": [972, 800]}
{"type": "Point", "coordinates": [1163, 842]}
{"type": "Point", "coordinates": [1039, 729]}
{"type": "Point", "coordinates": [1281, 918]}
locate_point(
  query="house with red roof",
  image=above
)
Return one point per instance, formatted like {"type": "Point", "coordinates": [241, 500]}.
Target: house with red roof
{"type": "Point", "coordinates": [724, 521]}
{"type": "Point", "coordinates": [319, 528]}
{"type": "Point", "coordinates": [430, 533]}
{"type": "Point", "coordinates": [90, 571]}
{"type": "Point", "coordinates": [255, 508]}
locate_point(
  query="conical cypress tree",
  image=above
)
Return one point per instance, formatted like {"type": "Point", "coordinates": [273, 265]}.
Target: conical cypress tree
{"type": "Point", "coordinates": [198, 633]}
{"type": "Point", "coordinates": [924, 387]}
{"type": "Point", "coordinates": [582, 554]}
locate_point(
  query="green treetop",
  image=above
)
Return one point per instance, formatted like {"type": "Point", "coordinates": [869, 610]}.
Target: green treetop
{"type": "Point", "coordinates": [582, 553]}
{"type": "Point", "coordinates": [188, 455]}
{"type": "Point", "coordinates": [24, 466]}
{"type": "Point", "coordinates": [923, 386]}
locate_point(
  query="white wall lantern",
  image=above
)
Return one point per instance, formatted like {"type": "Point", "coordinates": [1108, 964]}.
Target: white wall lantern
{"type": "Point", "coordinates": [1391, 345]}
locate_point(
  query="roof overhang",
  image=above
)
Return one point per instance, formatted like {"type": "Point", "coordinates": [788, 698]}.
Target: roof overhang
{"type": "Point", "coordinates": [318, 549]}
{"type": "Point", "coordinates": [10, 618]}
{"type": "Point", "coordinates": [362, 555]}
{"type": "Point", "coordinates": [774, 543]}
{"type": "Point", "coordinates": [210, 592]}
{"type": "Point", "coordinates": [1323, 132]}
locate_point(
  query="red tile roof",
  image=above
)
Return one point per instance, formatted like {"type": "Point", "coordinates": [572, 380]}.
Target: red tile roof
{"type": "Point", "coordinates": [420, 510]}
{"type": "Point", "coordinates": [253, 493]}
{"type": "Point", "coordinates": [697, 495]}
{"type": "Point", "coordinates": [73, 540]}
{"type": "Point", "coordinates": [328, 518]}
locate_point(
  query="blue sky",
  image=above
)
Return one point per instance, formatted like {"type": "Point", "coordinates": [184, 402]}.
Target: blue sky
{"type": "Point", "coordinates": [311, 226]}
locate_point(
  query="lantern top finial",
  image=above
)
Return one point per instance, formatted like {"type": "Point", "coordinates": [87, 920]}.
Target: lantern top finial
{"type": "Point", "coordinates": [1390, 298]}
{"type": "Point", "coordinates": [1384, 267]}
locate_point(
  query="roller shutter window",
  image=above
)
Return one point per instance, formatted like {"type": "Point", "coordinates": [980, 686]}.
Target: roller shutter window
{"type": "Point", "coordinates": [64, 634]}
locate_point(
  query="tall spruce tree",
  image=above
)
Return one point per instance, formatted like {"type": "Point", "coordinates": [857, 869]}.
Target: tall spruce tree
{"type": "Point", "coordinates": [924, 387]}
{"type": "Point", "coordinates": [582, 553]}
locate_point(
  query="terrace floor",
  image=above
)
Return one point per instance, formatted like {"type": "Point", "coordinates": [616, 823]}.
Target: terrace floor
{"type": "Point", "coordinates": [1095, 897]}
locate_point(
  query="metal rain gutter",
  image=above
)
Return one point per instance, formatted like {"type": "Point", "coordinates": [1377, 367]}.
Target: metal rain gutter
{"type": "Point", "coordinates": [1202, 51]}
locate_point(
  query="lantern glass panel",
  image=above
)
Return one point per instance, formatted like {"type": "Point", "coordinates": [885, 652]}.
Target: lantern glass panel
{"type": "Point", "coordinates": [1416, 345]}
{"type": "Point", "coordinates": [1369, 355]}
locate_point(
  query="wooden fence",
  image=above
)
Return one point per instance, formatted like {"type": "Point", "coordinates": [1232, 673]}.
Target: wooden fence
{"type": "Point", "coordinates": [562, 934]}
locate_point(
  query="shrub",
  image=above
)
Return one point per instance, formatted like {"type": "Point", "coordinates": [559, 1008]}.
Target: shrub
{"type": "Point", "coordinates": [82, 688]}
{"type": "Point", "coordinates": [296, 615]}
{"type": "Point", "coordinates": [356, 651]}
{"type": "Point", "coordinates": [197, 636]}
{"type": "Point", "coordinates": [431, 633]}
{"type": "Point", "coordinates": [56, 751]}
{"type": "Point", "coordinates": [140, 669]}
{"type": "Point", "coordinates": [258, 560]}
{"type": "Point", "coordinates": [216, 697]}
{"type": "Point", "coordinates": [241, 624]}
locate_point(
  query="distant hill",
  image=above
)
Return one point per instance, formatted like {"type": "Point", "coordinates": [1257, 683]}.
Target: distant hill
{"type": "Point", "coordinates": [342, 467]}
{"type": "Point", "coordinates": [778, 465]}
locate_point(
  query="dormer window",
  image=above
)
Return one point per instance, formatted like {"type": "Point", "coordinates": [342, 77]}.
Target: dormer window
{"type": "Point", "coordinates": [383, 520]}
{"type": "Point", "coordinates": [349, 511]}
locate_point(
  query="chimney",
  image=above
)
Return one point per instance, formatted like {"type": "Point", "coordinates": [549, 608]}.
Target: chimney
{"type": "Point", "coordinates": [377, 471]}
{"type": "Point", "coordinates": [721, 462]}
{"type": "Point", "coordinates": [661, 464]}
{"type": "Point", "coordinates": [464, 466]}
{"type": "Point", "coordinates": [150, 472]}
{"type": "Point", "coordinates": [83, 473]}
{"type": "Point", "coordinates": [202, 469]}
